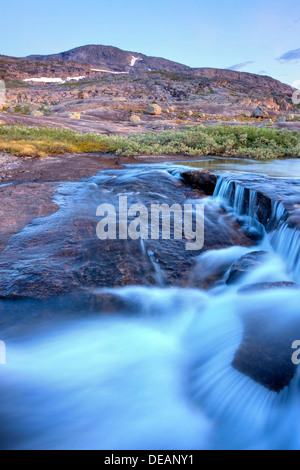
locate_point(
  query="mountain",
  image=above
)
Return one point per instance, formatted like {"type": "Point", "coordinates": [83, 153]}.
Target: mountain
{"type": "Point", "coordinates": [88, 78]}
{"type": "Point", "coordinates": [82, 60]}
{"type": "Point", "coordinates": [113, 58]}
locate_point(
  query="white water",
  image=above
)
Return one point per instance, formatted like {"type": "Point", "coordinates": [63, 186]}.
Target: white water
{"type": "Point", "coordinates": [159, 374]}
{"type": "Point", "coordinates": [161, 380]}
{"type": "Point", "coordinates": [283, 239]}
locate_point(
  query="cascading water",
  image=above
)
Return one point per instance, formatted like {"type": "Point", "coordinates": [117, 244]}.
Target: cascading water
{"type": "Point", "coordinates": [283, 239]}
{"type": "Point", "coordinates": [147, 367]}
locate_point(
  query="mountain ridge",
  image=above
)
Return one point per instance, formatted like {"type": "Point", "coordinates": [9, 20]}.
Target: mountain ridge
{"type": "Point", "coordinates": [88, 77]}
{"type": "Point", "coordinates": [117, 59]}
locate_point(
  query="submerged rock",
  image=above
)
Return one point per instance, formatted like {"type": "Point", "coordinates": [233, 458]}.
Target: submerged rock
{"type": "Point", "coordinates": [265, 353]}
{"type": "Point", "coordinates": [262, 286]}
{"type": "Point", "coordinates": [245, 265]}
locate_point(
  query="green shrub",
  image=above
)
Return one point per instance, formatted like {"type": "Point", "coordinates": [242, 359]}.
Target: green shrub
{"type": "Point", "coordinates": [243, 141]}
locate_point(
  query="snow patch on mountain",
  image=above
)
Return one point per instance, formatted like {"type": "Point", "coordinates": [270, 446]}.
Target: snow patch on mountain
{"type": "Point", "coordinates": [134, 60]}
{"type": "Point", "coordinates": [44, 80]}
{"type": "Point", "coordinates": [53, 80]}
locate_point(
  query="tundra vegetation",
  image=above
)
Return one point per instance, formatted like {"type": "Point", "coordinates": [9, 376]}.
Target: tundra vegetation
{"type": "Point", "coordinates": [235, 141]}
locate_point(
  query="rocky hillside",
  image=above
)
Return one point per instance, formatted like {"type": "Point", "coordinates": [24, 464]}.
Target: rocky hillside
{"type": "Point", "coordinates": [112, 58]}
{"type": "Point", "coordinates": [102, 86]}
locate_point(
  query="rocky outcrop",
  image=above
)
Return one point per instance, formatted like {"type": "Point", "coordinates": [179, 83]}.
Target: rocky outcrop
{"type": "Point", "coordinates": [260, 113]}
{"type": "Point", "coordinates": [203, 180]}
{"type": "Point", "coordinates": [213, 91]}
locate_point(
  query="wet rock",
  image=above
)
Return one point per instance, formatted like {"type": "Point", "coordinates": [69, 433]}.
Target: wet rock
{"type": "Point", "coordinates": [265, 353]}
{"type": "Point", "coordinates": [22, 204]}
{"type": "Point", "coordinates": [203, 180]}
{"type": "Point", "coordinates": [263, 286]}
{"type": "Point", "coordinates": [281, 119]}
{"type": "Point", "coordinates": [61, 254]}
{"type": "Point", "coordinates": [245, 265]}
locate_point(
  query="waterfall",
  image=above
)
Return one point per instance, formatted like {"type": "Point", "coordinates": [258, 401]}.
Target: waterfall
{"type": "Point", "coordinates": [245, 205]}
{"type": "Point", "coordinates": [286, 242]}
{"type": "Point", "coordinates": [239, 200]}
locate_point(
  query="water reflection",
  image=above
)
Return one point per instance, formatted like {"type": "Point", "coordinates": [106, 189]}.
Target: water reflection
{"type": "Point", "coordinates": [287, 168]}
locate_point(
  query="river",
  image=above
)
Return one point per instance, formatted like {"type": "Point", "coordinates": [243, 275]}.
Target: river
{"type": "Point", "coordinates": [141, 344]}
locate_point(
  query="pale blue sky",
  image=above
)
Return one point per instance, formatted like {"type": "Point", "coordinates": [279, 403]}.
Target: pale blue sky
{"type": "Point", "coordinates": [216, 33]}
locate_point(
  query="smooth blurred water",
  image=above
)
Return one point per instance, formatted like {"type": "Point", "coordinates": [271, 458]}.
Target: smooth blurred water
{"type": "Point", "coordinates": [285, 168]}
{"type": "Point", "coordinates": [161, 379]}
{"type": "Point", "coordinates": [157, 373]}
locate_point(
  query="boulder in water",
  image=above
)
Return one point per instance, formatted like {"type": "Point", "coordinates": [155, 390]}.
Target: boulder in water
{"type": "Point", "coordinates": [265, 353]}
{"type": "Point", "coordinates": [245, 265]}
{"type": "Point", "coordinates": [262, 286]}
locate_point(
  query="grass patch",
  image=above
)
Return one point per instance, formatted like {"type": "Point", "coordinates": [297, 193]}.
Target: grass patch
{"type": "Point", "coordinates": [21, 110]}
{"type": "Point", "coordinates": [43, 142]}
{"type": "Point", "coordinates": [15, 84]}
{"type": "Point", "coordinates": [247, 141]}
